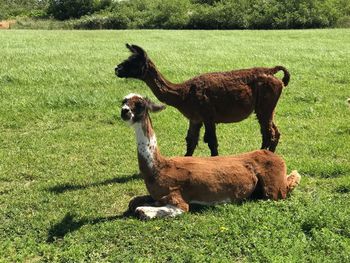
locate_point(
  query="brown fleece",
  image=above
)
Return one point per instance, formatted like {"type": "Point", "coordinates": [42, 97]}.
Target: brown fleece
{"type": "Point", "coordinates": [179, 181]}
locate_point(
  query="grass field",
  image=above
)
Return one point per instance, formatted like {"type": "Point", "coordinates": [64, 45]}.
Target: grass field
{"type": "Point", "coordinates": [68, 165]}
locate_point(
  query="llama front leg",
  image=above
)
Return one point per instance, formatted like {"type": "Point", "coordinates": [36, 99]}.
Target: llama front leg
{"type": "Point", "coordinates": [171, 205]}
{"type": "Point", "coordinates": [192, 137]}
{"type": "Point", "coordinates": [269, 132]}
{"type": "Point", "coordinates": [137, 201]}
{"type": "Point", "coordinates": [210, 138]}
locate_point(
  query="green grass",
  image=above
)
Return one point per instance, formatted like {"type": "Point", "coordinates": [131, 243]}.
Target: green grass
{"type": "Point", "coordinates": [68, 165]}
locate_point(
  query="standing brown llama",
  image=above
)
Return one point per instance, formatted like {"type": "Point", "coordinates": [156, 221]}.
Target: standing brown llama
{"type": "Point", "coordinates": [174, 183]}
{"type": "Point", "coordinates": [211, 98]}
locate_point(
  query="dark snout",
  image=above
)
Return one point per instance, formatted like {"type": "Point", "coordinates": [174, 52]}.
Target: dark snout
{"type": "Point", "coordinates": [119, 71]}
{"type": "Point", "coordinates": [125, 114]}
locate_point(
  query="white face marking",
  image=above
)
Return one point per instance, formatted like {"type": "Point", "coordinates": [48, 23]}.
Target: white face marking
{"type": "Point", "coordinates": [129, 96]}
{"type": "Point", "coordinates": [126, 107]}
{"type": "Point", "coordinates": [227, 200]}
{"type": "Point", "coordinates": [149, 212]}
{"type": "Point", "coordinates": [145, 146]}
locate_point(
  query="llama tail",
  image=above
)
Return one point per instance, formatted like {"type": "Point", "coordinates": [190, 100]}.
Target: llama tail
{"type": "Point", "coordinates": [286, 76]}
{"type": "Point", "coordinates": [293, 180]}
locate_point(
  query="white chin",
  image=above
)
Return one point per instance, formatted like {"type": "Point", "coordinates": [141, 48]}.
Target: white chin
{"type": "Point", "coordinates": [131, 122]}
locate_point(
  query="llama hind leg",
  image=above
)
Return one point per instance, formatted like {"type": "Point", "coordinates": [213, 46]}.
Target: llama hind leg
{"type": "Point", "coordinates": [274, 141]}
{"type": "Point", "coordinates": [268, 131]}
{"type": "Point", "coordinates": [270, 90]}
{"type": "Point", "coordinates": [278, 187]}
{"type": "Point", "coordinates": [192, 137]}
{"type": "Point", "coordinates": [293, 180]}
{"type": "Point", "coordinates": [210, 138]}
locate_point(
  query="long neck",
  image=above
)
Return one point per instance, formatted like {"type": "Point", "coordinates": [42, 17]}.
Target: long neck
{"type": "Point", "coordinates": [147, 149]}
{"type": "Point", "coordinates": [163, 89]}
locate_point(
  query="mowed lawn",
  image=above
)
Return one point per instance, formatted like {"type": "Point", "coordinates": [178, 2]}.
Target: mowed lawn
{"type": "Point", "coordinates": [68, 165]}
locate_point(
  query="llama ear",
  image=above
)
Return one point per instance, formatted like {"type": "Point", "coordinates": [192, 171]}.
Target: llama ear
{"type": "Point", "coordinates": [130, 48]}
{"type": "Point", "coordinates": [138, 50]}
{"type": "Point", "coordinates": [152, 107]}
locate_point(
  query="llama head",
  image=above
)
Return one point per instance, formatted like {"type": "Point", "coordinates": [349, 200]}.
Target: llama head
{"type": "Point", "coordinates": [135, 108]}
{"type": "Point", "coordinates": [135, 66]}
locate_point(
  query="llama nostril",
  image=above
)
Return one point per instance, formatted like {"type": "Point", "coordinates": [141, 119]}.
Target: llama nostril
{"type": "Point", "coordinates": [118, 70]}
{"type": "Point", "coordinates": [125, 115]}
{"type": "Point", "coordinates": [125, 111]}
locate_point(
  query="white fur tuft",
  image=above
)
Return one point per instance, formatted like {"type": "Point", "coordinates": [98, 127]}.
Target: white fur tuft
{"type": "Point", "coordinates": [129, 96]}
{"type": "Point", "coordinates": [297, 176]}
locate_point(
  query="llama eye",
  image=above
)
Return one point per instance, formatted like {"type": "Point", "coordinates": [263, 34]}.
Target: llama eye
{"type": "Point", "coordinates": [139, 106]}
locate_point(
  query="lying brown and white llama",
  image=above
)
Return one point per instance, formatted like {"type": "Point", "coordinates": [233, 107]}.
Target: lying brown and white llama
{"type": "Point", "coordinates": [174, 183]}
{"type": "Point", "coordinates": [212, 98]}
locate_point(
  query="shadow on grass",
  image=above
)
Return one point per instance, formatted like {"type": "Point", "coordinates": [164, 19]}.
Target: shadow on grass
{"type": "Point", "coordinates": [343, 189]}
{"type": "Point", "coordinates": [59, 189]}
{"type": "Point", "coordinates": [69, 225]}
{"type": "Point", "coordinates": [198, 209]}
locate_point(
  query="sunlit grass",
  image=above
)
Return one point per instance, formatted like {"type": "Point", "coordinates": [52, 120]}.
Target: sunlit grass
{"type": "Point", "coordinates": [68, 165]}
